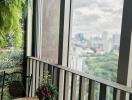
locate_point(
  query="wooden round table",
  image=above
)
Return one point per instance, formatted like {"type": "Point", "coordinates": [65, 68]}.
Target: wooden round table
{"type": "Point", "coordinates": [27, 98]}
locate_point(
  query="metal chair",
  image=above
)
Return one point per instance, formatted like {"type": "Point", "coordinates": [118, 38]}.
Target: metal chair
{"type": "Point", "coordinates": [16, 87]}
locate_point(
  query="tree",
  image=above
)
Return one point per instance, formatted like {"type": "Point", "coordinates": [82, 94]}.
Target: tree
{"type": "Point", "coordinates": [104, 66]}
{"type": "Point", "coordinates": [10, 22]}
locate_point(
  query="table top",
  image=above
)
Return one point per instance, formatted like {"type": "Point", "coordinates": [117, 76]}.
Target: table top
{"type": "Point", "coordinates": [27, 98]}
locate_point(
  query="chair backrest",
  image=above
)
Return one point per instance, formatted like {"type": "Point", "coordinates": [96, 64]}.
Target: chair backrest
{"type": "Point", "coordinates": [28, 79]}
{"type": "Point", "coordinates": [15, 86]}
{"type": "Point", "coordinates": [16, 89]}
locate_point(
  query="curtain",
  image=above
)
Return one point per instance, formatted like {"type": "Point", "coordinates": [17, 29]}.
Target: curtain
{"type": "Point", "coordinates": [37, 29]}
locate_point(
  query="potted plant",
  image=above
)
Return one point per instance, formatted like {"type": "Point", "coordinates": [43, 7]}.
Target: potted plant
{"type": "Point", "coordinates": [46, 90]}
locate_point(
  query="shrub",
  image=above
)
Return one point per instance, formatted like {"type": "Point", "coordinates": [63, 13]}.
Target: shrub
{"type": "Point", "coordinates": [11, 58]}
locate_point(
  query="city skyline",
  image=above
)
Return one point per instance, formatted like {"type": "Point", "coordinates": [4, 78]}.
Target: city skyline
{"type": "Point", "coordinates": [91, 35]}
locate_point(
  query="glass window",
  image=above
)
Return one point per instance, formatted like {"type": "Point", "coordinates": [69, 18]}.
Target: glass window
{"type": "Point", "coordinates": [95, 37]}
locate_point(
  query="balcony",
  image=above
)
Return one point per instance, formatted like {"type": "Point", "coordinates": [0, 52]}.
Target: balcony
{"type": "Point", "coordinates": [43, 37]}
{"type": "Point", "coordinates": [72, 84]}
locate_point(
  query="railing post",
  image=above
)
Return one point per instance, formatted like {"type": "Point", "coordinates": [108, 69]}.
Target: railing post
{"type": "Point", "coordinates": [91, 90]}
{"type": "Point", "coordinates": [33, 73]}
{"type": "Point", "coordinates": [37, 74]}
{"type": "Point", "coordinates": [28, 73]}
{"type": "Point", "coordinates": [74, 87]}
{"type": "Point", "coordinates": [55, 79]}
{"type": "Point", "coordinates": [41, 72]}
{"type": "Point", "coordinates": [61, 84]}
{"type": "Point", "coordinates": [102, 93]}
{"type": "Point", "coordinates": [82, 88]}
{"type": "Point", "coordinates": [67, 86]}
{"type": "Point", "coordinates": [116, 94]}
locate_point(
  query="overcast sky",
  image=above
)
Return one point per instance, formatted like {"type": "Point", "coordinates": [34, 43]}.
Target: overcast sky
{"type": "Point", "coordinates": [97, 16]}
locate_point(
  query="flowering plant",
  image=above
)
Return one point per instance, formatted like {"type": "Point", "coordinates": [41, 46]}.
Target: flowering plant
{"type": "Point", "coordinates": [46, 91]}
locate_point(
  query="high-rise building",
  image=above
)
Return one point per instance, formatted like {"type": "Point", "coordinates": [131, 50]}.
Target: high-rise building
{"type": "Point", "coordinates": [115, 41]}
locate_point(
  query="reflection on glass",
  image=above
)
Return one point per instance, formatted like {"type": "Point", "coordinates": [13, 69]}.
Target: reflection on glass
{"type": "Point", "coordinates": [95, 39]}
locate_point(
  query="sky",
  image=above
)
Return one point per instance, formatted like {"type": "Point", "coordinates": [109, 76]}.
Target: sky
{"type": "Point", "coordinates": [97, 16]}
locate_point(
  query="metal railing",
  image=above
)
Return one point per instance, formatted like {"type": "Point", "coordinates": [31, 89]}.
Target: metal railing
{"type": "Point", "coordinates": [74, 85]}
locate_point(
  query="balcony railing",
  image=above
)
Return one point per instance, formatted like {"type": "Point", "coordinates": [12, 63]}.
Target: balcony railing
{"type": "Point", "coordinates": [74, 85]}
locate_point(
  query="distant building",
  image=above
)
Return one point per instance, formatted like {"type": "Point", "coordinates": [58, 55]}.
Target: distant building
{"type": "Point", "coordinates": [96, 42]}
{"type": "Point", "coordinates": [79, 39]}
{"type": "Point", "coordinates": [106, 42]}
{"type": "Point", "coordinates": [80, 36]}
{"type": "Point", "coordinates": [99, 43]}
{"type": "Point", "coordinates": [105, 37]}
{"type": "Point", "coordinates": [115, 41]}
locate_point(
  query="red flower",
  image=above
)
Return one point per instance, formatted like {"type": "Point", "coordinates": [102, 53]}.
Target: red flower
{"type": "Point", "coordinates": [45, 92]}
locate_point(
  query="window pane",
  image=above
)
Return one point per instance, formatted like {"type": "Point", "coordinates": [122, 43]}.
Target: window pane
{"type": "Point", "coordinates": [95, 39]}
{"type": "Point", "coordinates": [50, 35]}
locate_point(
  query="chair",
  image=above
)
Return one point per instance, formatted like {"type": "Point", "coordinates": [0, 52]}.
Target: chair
{"type": "Point", "coordinates": [15, 85]}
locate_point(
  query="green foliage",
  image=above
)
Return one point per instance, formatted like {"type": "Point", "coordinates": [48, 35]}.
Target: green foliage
{"type": "Point", "coordinates": [52, 89]}
{"type": "Point", "coordinates": [11, 22]}
{"type": "Point", "coordinates": [104, 66]}
{"type": "Point", "coordinates": [11, 59]}
{"type": "Point", "coordinates": [46, 91]}
{"type": "Point", "coordinates": [6, 95]}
